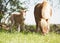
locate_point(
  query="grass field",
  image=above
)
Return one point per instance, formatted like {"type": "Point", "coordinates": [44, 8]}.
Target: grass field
{"type": "Point", "coordinates": [15, 37]}
{"type": "Point", "coordinates": [30, 36]}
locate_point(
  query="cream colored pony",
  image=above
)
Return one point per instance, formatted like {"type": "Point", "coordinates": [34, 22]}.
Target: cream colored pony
{"type": "Point", "coordinates": [42, 13]}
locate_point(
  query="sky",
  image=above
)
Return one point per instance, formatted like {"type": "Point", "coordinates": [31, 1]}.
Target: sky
{"type": "Point", "coordinates": [30, 20]}
{"type": "Point", "coordinates": [55, 19]}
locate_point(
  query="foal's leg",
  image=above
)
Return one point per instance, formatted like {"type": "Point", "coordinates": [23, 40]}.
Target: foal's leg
{"type": "Point", "coordinates": [23, 27]}
{"type": "Point", "coordinates": [11, 26]}
{"type": "Point", "coordinates": [18, 28]}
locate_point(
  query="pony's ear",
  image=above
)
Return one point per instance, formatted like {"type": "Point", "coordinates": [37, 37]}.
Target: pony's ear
{"type": "Point", "coordinates": [45, 0]}
{"type": "Point", "coordinates": [22, 10]}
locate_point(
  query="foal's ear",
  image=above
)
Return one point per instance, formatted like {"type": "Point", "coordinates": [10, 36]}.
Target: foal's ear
{"type": "Point", "coordinates": [24, 10]}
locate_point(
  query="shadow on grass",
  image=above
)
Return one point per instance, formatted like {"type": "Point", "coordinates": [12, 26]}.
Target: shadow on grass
{"type": "Point", "coordinates": [32, 29]}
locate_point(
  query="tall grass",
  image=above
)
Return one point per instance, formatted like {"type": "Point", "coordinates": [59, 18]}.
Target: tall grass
{"type": "Point", "coordinates": [15, 37]}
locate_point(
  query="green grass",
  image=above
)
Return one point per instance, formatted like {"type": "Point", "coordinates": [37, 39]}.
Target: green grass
{"type": "Point", "coordinates": [15, 37]}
